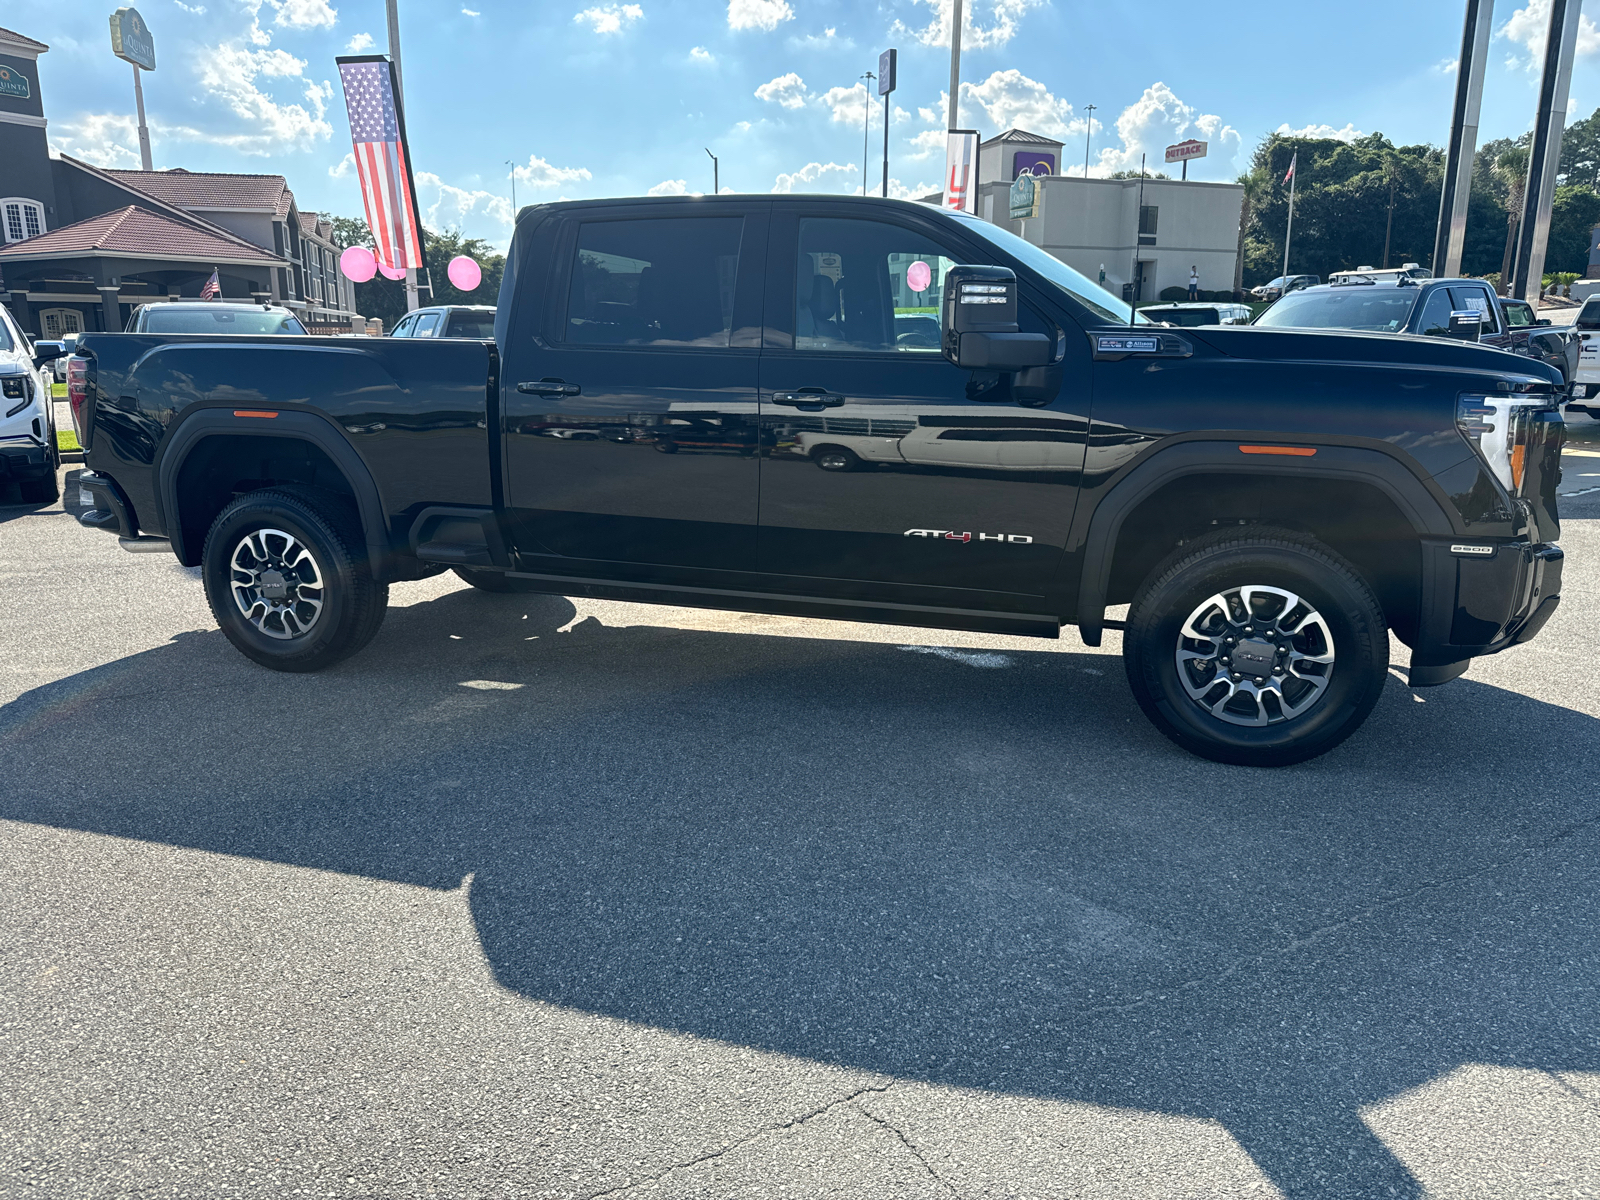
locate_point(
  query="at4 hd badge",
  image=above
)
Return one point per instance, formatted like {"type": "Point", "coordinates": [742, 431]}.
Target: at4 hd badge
{"type": "Point", "coordinates": [952, 535]}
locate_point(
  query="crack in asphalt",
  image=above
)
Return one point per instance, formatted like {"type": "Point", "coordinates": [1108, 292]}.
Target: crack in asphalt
{"type": "Point", "coordinates": [906, 1142]}
{"type": "Point", "coordinates": [744, 1141]}
{"type": "Point", "coordinates": [1301, 941]}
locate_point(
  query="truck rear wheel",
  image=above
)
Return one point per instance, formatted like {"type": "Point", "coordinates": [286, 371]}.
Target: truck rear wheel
{"type": "Point", "coordinates": [1258, 647]}
{"type": "Point", "coordinates": [287, 578]}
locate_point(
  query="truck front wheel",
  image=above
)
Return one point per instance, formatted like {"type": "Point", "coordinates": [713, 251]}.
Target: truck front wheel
{"type": "Point", "coordinates": [287, 578]}
{"type": "Point", "coordinates": [1258, 647]}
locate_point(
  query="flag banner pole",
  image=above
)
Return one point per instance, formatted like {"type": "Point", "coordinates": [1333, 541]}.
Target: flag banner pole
{"type": "Point", "coordinates": [1288, 231]}
{"type": "Point", "coordinates": [383, 159]}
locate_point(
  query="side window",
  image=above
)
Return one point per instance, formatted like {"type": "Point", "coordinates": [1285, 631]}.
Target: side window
{"type": "Point", "coordinates": [404, 328]}
{"type": "Point", "coordinates": [867, 286]}
{"type": "Point", "coordinates": [1472, 299]}
{"type": "Point", "coordinates": [425, 325]}
{"type": "Point", "coordinates": [1589, 314]}
{"type": "Point", "coordinates": [657, 282]}
{"type": "Point", "coordinates": [1435, 321]}
{"type": "Point", "coordinates": [1518, 316]}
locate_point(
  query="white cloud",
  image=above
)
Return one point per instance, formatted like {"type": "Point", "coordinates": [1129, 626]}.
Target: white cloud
{"type": "Point", "coordinates": [670, 187]}
{"type": "Point", "coordinates": [1158, 119]}
{"type": "Point", "coordinates": [1528, 27]}
{"type": "Point", "coordinates": [445, 206]}
{"type": "Point", "coordinates": [1002, 27]}
{"type": "Point", "coordinates": [345, 167]}
{"type": "Point", "coordinates": [789, 91]}
{"type": "Point", "coordinates": [700, 54]}
{"type": "Point", "coordinates": [305, 14]}
{"type": "Point", "coordinates": [360, 44]}
{"type": "Point", "coordinates": [828, 38]}
{"type": "Point", "coordinates": [1447, 66]}
{"type": "Point", "coordinates": [811, 173]}
{"type": "Point", "coordinates": [198, 10]}
{"type": "Point", "coordinates": [540, 174]}
{"type": "Point", "coordinates": [765, 15]}
{"type": "Point", "coordinates": [609, 18]}
{"type": "Point", "coordinates": [1013, 101]}
{"type": "Point", "coordinates": [470, 12]}
{"type": "Point", "coordinates": [1348, 134]}
{"type": "Point", "coordinates": [229, 72]}
{"type": "Point", "coordinates": [898, 190]}
{"type": "Point", "coordinates": [846, 104]}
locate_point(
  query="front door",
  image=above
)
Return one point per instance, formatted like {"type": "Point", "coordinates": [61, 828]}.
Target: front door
{"type": "Point", "coordinates": [630, 394]}
{"type": "Point", "coordinates": [887, 472]}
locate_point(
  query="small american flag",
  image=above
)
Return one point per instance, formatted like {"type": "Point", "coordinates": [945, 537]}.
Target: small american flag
{"type": "Point", "coordinates": [382, 161]}
{"type": "Point", "coordinates": [213, 287]}
{"type": "Point", "coordinates": [1292, 163]}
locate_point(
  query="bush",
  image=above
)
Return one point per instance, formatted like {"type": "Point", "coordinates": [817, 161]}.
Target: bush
{"type": "Point", "coordinates": [1172, 294]}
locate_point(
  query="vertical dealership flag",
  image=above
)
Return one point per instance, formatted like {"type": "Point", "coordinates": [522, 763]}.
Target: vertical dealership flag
{"type": "Point", "coordinates": [212, 288]}
{"type": "Point", "coordinates": [960, 170]}
{"type": "Point", "coordinates": [383, 161]}
{"type": "Point", "coordinates": [1294, 159]}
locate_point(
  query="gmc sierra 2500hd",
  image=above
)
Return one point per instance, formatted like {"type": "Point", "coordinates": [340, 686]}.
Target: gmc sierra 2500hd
{"type": "Point", "coordinates": [676, 408]}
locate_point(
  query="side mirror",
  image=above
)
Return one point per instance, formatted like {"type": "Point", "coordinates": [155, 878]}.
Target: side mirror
{"type": "Point", "coordinates": [1542, 321]}
{"type": "Point", "coordinates": [978, 322]}
{"type": "Point", "coordinates": [1466, 324]}
{"type": "Point", "coordinates": [44, 352]}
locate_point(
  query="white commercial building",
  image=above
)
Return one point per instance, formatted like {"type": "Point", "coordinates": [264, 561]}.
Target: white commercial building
{"type": "Point", "coordinates": [1093, 223]}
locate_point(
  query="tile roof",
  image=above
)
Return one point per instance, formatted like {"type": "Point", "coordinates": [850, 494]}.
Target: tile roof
{"type": "Point", "coordinates": [212, 190]}
{"type": "Point", "coordinates": [26, 42]}
{"type": "Point", "coordinates": [316, 225]}
{"type": "Point", "coordinates": [139, 233]}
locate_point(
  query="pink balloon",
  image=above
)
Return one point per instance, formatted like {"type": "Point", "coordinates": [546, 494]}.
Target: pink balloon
{"type": "Point", "coordinates": [464, 273]}
{"type": "Point", "coordinates": [358, 264]}
{"type": "Point", "coordinates": [388, 272]}
{"type": "Point", "coordinates": [918, 276]}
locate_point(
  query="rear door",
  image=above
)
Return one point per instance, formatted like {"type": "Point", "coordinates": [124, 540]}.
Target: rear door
{"type": "Point", "coordinates": [888, 473]}
{"type": "Point", "coordinates": [630, 432]}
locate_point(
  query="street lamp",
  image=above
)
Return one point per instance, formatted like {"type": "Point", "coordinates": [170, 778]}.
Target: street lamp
{"type": "Point", "coordinates": [1088, 129]}
{"type": "Point", "coordinates": [513, 167]}
{"type": "Point", "coordinates": [716, 183]}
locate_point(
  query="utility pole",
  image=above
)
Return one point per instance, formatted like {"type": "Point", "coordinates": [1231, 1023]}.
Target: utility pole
{"type": "Point", "coordinates": [955, 68]}
{"type": "Point", "coordinates": [866, 125]}
{"type": "Point", "coordinates": [399, 83]}
{"type": "Point", "coordinates": [513, 167]}
{"type": "Point", "coordinates": [1388, 230]}
{"type": "Point", "coordinates": [716, 182]}
{"type": "Point", "coordinates": [1088, 130]}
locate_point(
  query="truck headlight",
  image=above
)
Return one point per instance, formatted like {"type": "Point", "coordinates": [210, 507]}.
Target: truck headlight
{"type": "Point", "coordinates": [1502, 428]}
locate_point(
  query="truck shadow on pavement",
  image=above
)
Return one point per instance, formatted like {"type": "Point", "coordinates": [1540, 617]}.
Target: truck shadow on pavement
{"type": "Point", "coordinates": [978, 869]}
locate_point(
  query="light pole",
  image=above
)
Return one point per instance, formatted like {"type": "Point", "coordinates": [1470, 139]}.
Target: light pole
{"type": "Point", "coordinates": [716, 183]}
{"type": "Point", "coordinates": [513, 167]}
{"type": "Point", "coordinates": [1088, 131]}
{"type": "Point", "coordinates": [866, 125]}
{"type": "Point", "coordinates": [955, 65]}
{"type": "Point", "coordinates": [393, 12]}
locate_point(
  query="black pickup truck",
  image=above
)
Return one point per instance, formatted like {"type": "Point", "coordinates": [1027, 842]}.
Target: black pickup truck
{"type": "Point", "coordinates": [717, 402]}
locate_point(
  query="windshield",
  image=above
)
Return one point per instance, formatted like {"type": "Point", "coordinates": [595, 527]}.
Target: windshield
{"type": "Point", "coordinates": [1080, 287]}
{"type": "Point", "coordinates": [1383, 311]}
{"type": "Point", "coordinates": [219, 320]}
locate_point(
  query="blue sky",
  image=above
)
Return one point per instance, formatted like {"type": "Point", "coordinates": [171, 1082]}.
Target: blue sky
{"type": "Point", "coordinates": [600, 98]}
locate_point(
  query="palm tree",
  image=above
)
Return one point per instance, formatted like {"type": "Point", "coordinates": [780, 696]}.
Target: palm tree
{"type": "Point", "coordinates": [1512, 169]}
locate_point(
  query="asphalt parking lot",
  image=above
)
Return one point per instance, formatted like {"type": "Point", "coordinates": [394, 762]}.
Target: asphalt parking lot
{"type": "Point", "coordinates": [539, 897]}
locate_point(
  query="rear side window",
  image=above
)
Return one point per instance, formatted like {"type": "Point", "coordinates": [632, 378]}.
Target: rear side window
{"type": "Point", "coordinates": [654, 282]}
{"type": "Point", "coordinates": [425, 325]}
{"type": "Point", "coordinates": [464, 323]}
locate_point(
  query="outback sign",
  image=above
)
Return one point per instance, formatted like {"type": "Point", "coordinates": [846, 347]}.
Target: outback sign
{"type": "Point", "coordinates": [131, 39]}
{"type": "Point", "coordinates": [13, 84]}
{"type": "Point", "coordinates": [1187, 150]}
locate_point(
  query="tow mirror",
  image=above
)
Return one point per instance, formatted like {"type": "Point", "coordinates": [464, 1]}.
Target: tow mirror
{"type": "Point", "coordinates": [1542, 321]}
{"type": "Point", "coordinates": [44, 352]}
{"type": "Point", "coordinates": [1466, 324]}
{"type": "Point", "coordinates": [978, 322]}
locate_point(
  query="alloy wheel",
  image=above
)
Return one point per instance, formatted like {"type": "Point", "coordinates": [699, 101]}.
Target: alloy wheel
{"type": "Point", "coordinates": [277, 583]}
{"type": "Point", "coordinates": [1255, 655]}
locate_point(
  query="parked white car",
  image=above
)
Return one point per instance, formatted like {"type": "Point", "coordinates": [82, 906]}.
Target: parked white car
{"type": "Point", "coordinates": [1585, 401]}
{"type": "Point", "coordinates": [28, 453]}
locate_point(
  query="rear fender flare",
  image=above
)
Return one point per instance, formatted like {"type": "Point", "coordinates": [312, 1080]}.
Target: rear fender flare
{"type": "Point", "coordinates": [301, 426]}
{"type": "Point", "coordinates": [1377, 468]}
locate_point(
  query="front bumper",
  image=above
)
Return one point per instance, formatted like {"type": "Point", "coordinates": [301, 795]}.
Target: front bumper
{"type": "Point", "coordinates": [1483, 597]}
{"type": "Point", "coordinates": [24, 460]}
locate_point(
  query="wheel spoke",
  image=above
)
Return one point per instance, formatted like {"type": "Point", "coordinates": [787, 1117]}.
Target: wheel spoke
{"type": "Point", "coordinates": [1258, 622]}
{"type": "Point", "coordinates": [277, 583]}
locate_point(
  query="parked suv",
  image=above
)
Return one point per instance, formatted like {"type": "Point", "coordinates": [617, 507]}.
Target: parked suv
{"type": "Point", "coordinates": [1271, 503]}
{"type": "Point", "coordinates": [1283, 285]}
{"type": "Point", "coordinates": [28, 453]}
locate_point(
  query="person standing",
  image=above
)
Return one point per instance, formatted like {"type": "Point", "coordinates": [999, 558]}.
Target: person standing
{"type": "Point", "coordinates": [1194, 282]}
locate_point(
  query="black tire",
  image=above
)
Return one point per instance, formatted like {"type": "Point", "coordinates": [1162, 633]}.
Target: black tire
{"type": "Point", "coordinates": [294, 636]}
{"type": "Point", "coordinates": [41, 491]}
{"type": "Point", "coordinates": [666, 447]}
{"type": "Point", "coordinates": [837, 459]}
{"type": "Point", "coordinates": [1300, 716]}
{"type": "Point", "coordinates": [495, 581]}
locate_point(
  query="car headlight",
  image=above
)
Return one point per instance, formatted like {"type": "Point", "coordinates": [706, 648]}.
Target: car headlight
{"type": "Point", "coordinates": [1501, 429]}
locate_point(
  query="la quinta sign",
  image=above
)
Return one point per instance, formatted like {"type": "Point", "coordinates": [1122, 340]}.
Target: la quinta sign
{"type": "Point", "coordinates": [13, 84]}
{"type": "Point", "coordinates": [131, 39]}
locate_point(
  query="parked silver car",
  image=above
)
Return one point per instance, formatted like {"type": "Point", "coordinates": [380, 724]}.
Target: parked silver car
{"type": "Point", "coordinates": [448, 321]}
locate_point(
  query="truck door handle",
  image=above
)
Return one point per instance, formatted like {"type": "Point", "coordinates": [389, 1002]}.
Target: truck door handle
{"type": "Point", "coordinates": [811, 399]}
{"type": "Point", "coordinates": [550, 387]}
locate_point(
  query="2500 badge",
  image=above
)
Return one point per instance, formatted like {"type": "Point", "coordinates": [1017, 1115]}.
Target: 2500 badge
{"type": "Point", "coordinates": [950, 535]}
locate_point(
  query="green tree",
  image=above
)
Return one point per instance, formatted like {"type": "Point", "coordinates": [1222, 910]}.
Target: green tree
{"type": "Point", "coordinates": [386, 298]}
{"type": "Point", "coordinates": [1574, 213]}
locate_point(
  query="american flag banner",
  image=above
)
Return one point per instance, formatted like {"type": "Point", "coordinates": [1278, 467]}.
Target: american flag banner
{"type": "Point", "coordinates": [383, 161]}
{"type": "Point", "coordinates": [213, 287]}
